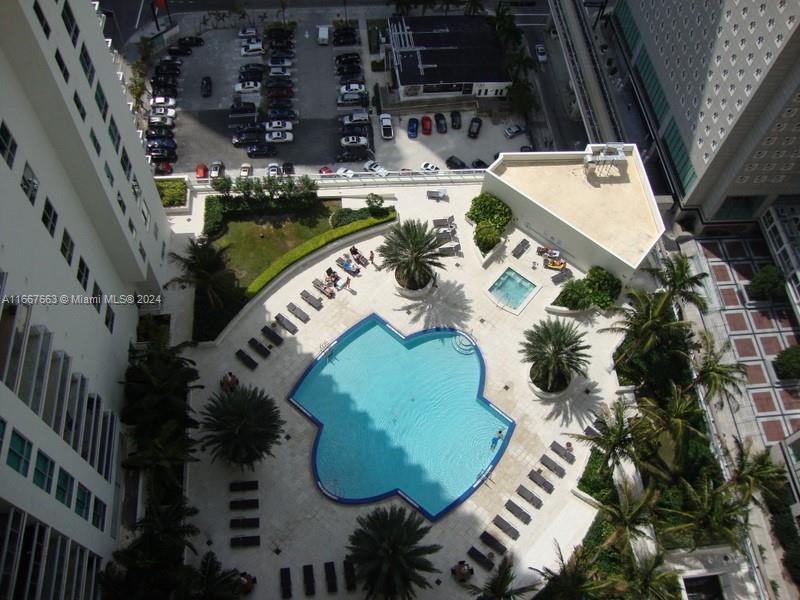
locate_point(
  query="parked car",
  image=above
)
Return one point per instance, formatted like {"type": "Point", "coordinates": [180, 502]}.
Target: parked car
{"type": "Point", "coordinates": [274, 170]}
{"type": "Point", "coordinates": [170, 60]}
{"type": "Point", "coordinates": [353, 154]}
{"type": "Point", "coordinates": [282, 54]}
{"type": "Point", "coordinates": [455, 119]}
{"type": "Point", "coordinates": [351, 100]}
{"type": "Point", "coordinates": [177, 50]}
{"type": "Point", "coordinates": [527, 149]}
{"type": "Point", "coordinates": [441, 123]}
{"type": "Point", "coordinates": [157, 132]}
{"type": "Point", "coordinates": [163, 81]}
{"type": "Point", "coordinates": [167, 143]}
{"type": "Point", "coordinates": [254, 50]}
{"type": "Point", "coordinates": [280, 71]}
{"type": "Point", "coordinates": [427, 125]}
{"type": "Point", "coordinates": [158, 155]}
{"type": "Point", "coordinates": [279, 103]}
{"type": "Point", "coordinates": [474, 127]}
{"type": "Point", "coordinates": [251, 76]}
{"type": "Point", "coordinates": [247, 87]}
{"type": "Point", "coordinates": [205, 87]}
{"type": "Point", "coordinates": [261, 150]}
{"type": "Point", "coordinates": [279, 62]}
{"type": "Point", "coordinates": [479, 164]}
{"type": "Point", "coordinates": [353, 88]}
{"type": "Point", "coordinates": [353, 140]}
{"type": "Point", "coordinates": [281, 44]}
{"type": "Point", "coordinates": [162, 101]}
{"type": "Point", "coordinates": [325, 170]}
{"type": "Point", "coordinates": [279, 92]}
{"type": "Point", "coordinates": [246, 138]}
{"type": "Point", "coordinates": [277, 126]}
{"type": "Point", "coordinates": [191, 41]}
{"type": "Point", "coordinates": [453, 162]}
{"type": "Point", "coordinates": [344, 30]}
{"type": "Point", "coordinates": [246, 32]}
{"type": "Point", "coordinates": [276, 83]}
{"type": "Point", "coordinates": [512, 131]}
{"type": "Point", "coordinates": [348, 79]}
{"type": "Point", "coordinates": [167, 70]}
{"type": "Point", "coordinates": [288, 168]}
{"type": "Point", "coordinates": [349, 69]}
{"type": "Point", "coordinates": [243, 108]}
{"type": "Point", "coordinates": [541, 53]}
{"type": "Point", "coordinates": [217, 169]}
{"type": "Point", "coordinates": [160, 122]}
{"type": "Point", "coordinates": [162, 168]}
{"type": "Point", "coordinates": [375, 167]}
{"type": "Point", "coordinates": [428, 167]}
{"type": "Point", "coordinates": [279, 33]}
{"type": "Point", "coordinates": [162, 111]}
{"type": "Point", "coordinates": [412, 128]}
{"type": "Point", "coordinates": [252, 66]}
{"type": "Point", "coordinates": [246, 170]}
{"type": "Point", "coordinates": [345, 172]}
{"type": "Point", "coordinates": [358, 130]}
{"type": "Point", "coordinates": [251, 41]}
{"type": "Point", "coordinates": [348, 57]}
{"type": "Point", "coordinates": [282, 114]}
{"type": "Point", "coordinates": [165, 90]}
{"type": "Point", "coordinates": [278, 137]}
{"type": "Point", "coordinates": [358, 117]}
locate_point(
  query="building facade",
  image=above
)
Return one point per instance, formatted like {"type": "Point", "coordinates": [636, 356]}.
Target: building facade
{"type": "Point", "coordinates": [720, 84]}
{"type": "Point", "coordinates": [787, 453]}
{"type": "Point", "coordinates": [83, 238]}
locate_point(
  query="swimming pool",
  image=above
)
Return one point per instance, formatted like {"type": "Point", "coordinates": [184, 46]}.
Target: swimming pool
{"type": "Point", "coordinates": [401, 415]}
{"type": "Point", "coordinates": [511, 288]}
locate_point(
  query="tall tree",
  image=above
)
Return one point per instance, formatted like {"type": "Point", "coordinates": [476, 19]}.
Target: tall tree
{"type": "Point", "coordinates": [473, 7]}
{"type": "Point", "coordinates": [720, 379]}
{"type": "Point", "coordinates": [522, 97]}
{"type": "Point", "coordinates": [677, 280]}
{"type": "Point", "coordinates": [574, 578]}
{"type": "Point", "coordinates": [500, 584]}
{"type": "Point", "coordinates": [163, 457]}
{"type": "Point", "coordinates": [387, 554]}
{"type": "Point", "coordinates": [755, 472]}
{"type": "Point", "coordinates": [673, 417]}
{"type": "Point", "coordinates": [211, 582]}
{"type": "Point", "coordinates": [425, 5]}
{"type": "Point", "coordinates": [629, 516]}
{"type": "Point", "coordinates": [446, 5]}
{"type": "Point", "coordinates": [557, 352]}
{"type": "Point", "coordinates": [519, 62]}
{"type": "Point", "coordinates": [401, 7]}
{"type": "Point", "coordinates": [617, 436]}
{"type": "Point", "coordinates": [205, 267]}
{"type": "Point", "coordinates": [412, 250]}
{"type": "Point", "coordinates": [646, 579]}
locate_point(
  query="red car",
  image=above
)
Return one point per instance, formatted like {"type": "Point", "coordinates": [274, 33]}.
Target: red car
{"type": "Point", "coordinates": [325, 170]}
{"type": "Point", "coordinates": [279, 93]}
{"type": "Point", "coordinates": [163, 169]}
{"type": "Point", "coordinates": [427, 125]}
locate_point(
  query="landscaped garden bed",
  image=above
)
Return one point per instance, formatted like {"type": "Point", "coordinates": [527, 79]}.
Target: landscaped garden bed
{"type": "Point", "coordinates": [172, 191]}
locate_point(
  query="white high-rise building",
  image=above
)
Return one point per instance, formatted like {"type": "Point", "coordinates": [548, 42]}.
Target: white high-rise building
{"type": "Point", "coordinates": [80, 221]}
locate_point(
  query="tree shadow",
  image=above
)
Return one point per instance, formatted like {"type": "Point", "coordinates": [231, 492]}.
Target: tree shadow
{"type": "Point", "coordinates": [446, 306]}
{"type": "Point", "coordinates": [579, 406]}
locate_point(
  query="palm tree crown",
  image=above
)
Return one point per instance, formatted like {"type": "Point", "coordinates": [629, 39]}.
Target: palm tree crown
{"type": "Point", "coordinates": [680, 285]}
{"type": "Point", "coordinates": [557, 353]}
{"type": "Point", "coordinates": [386, 552]}
{"type": "Point", "coordinates": [243, 424]}
{"type": "Point", "coordinates": [412, 250]}
{"type": "Point", "coordinates": [721, 380]}
{"type": "Point", "coordinates": [755, 472]}
{"type": "Point", "coordinates": [204, 266]}
{"type": "Point", "coordinates": [629, 516]}
{"type": "Point", "coordinates": [500, 584]}
{"type": "Point", "coordinates": [617, 436]}
{"type": "Point", "coordinates": [644, 578]}
{"type": "Point", "coordinates": [211, 582]}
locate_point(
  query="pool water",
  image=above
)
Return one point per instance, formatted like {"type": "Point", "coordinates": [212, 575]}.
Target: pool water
{"type": "Point", "coordinates": [511, 288]}
{"type": "Point", "coordinates": [401, 415]}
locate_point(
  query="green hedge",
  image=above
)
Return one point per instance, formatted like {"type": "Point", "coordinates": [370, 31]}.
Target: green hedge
{"type": "Point", "coordinates": [309, 246]}
{"type": "Point", "coordinates": [599, 288]}
{"type": "Point", "coordinates": [345, 216]}
{"type": "Point", "coordinates": [594, 482]}
{"type": "Point", "coordinates": [172, 191]}
{"type": "Point", "coordinates": [486, 236]}
{"type": "Point", "coordinates": [486, 207]}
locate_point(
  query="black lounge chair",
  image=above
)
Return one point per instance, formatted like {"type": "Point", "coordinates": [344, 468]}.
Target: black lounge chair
{"type": "Point", "coordinates": [529, 496]}
{"type": "Point", "coordinates": [591, 432]}
{"type": "Point", "coordinates": [564, 453]}
{"type": "Point", "coordinates": [245, 541]}
{"type": "Point", "coordinates": [245, 523]}
{"type": "Point", "coordinates": [324, 289]}
{"type": "Point", "coordinates": [493, 543]}
{"type": "Point", "coordinates": [450, 250]}
{"type": "Point", "coordinates": [286, 323]}
{"type": "Point", "coordinates": [505, 527]}
{"type": "Point", "coordinates": [358, 257]}
{"type": "Point", "coordinates": [297, 312]}
{"type": "Point", "coordinates": [244, 504]}
{"type": "Point", "coordinates": [517, 511]}
{"type": "Point", "coordinates": [272, 335]}
{"type": "Point", "coordinates": [259, 348]}
{"type": "Point", "coordinates": [243, 486]}
{"type": "Point", "coordinates": [350, 582]}
{"type": "Point", "coordinates": [247, 360]}
{"type": "Point", "coordinates": [560, 278]}
{"type": "Point", "coordinates": [541, 481]}
{"type": "Point", "coordinates": [286, 583]}
{"type": "Point", "coordinates": [553, 465]}
{"type": "Point", "coordinates": [330, 578]}
{"type": "Point", "coordinates": [520, 248]}
{"type": "Point", "coordinates": [347, 266]}
{"type": "Point", "coordinates": [308, 580]}
{"type": "Point", "coordinates": [480, 558]}
{"type": "Point", "coordinates": [311, 299]}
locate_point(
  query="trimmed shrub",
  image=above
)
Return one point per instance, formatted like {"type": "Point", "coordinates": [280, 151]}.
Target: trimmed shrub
{"type": "Point", "coordinates": [787, 363]}
{"type": "Point", "coordinates": [378, 66]}
{"type": "Point", "coordinates": [486, 236]}
{"type": "Point", "coordinates": [784, 528]}
{"type": "Point", "coordinates": [768, 285]}
{"type": "Point", "coordinates": [594, 482]}
{"type": "Point", "coordinates": [574, 295]}
{"type": "Point", "coordinates": [599, 288]}
{"type": "Point", "coordinates": [172, 191]}
{"type": "Point", "coordinates": [486, 207]}
{"type": "Point", "coordinates": [344, 216]}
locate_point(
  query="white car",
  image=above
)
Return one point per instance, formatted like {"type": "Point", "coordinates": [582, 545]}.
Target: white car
{"type": "Point", "coordinates": [250, 41]}
{"type": "Point", "coordinates": [162, 111]}
{"type": "Point", "coordinates": [512, 131]}
{"type": "Point", "coordinates": [354, 88]}
{"type": "Point", "coordinates": [387, 131]}
{"type": "Point", "coordinates": [248, 87]}
{"type": "Point", "coordinates": [541, 53]}
{"type": "Point", "coordinates": [359, 117]}
{"type": "Point", "coordinates": [246, 32]}
{"type": "Point", "coordinates": [353, 141]}
{"type": "Point", "coordinates": [255, 50]}
{"type": "Point", "coordinates": [245, 170]}
{"type": "Point", "coordinates": [279, 62]}
{"type": "Point", "coordinates": [375, 167]}
{"type": "Point", "coordinates": [278, 137]}
{"type": "Point", "coordinates": [428, 167]}
{"type": "Point", "coordinates": [274, 170]}
{"type": "Point", "coordinates": [217, 168]}
{"type": "Point", "coordinates": [277, 126]}
{"type": "Point", "coordinates": [162, 101]}
{"type": "Point", "coordinates": [160, 121]}
{"type": "Point", "coordinates": [279, 72]}
{"type": "Point", "coordinates": [345, 172]}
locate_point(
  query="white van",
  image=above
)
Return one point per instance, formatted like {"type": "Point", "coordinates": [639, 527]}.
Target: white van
{"type": "Point", "coordinates": [359, 117]}
{"type": "Point", "coordinates": [323, 34]}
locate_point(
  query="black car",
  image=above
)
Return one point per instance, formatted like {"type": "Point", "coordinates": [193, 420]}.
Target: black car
{"type": "Point", "coordinates": [345, 40]}
{"type": "Point", "coordinates": [280, 92]}
{"type": "Point", "coordinates": [165, 90]}
{"type": "Point", "coordinates": [167, 70]}
{"type": "Point", "coordinates": [348, 57]}
{"type": "Point", "coordinates": [474, 127]}
{"type": "Point", "coordinates": [251, 76]}
{"type": "Point", "coordinates": [177, 50]}
{"type": "Point", "coordinates": [158, 132]}
{"type": "Point", "coordinates": [164, 81]}
{"type": "Point", "coordinates": [261, 150]}
{"type": "Point", "coordinates": [453, 162]}
{"type": "Point", "coordinates": [288, 168]}
{"type": "Point", "coordinates": [170, 60]}
{"type": "Point", "coordinates": [348, 79]}
{"type": "Point", "coordinates": [479, 164]}
{"type": "Point", "coordinates": [351, 70]}
{"type": "Point", "coordinates": [358, 130]}
{"type": "Point", "coordinates": [441, 123]}
{"type": "Point", "coordinates": [354, 155]}
{"type": "Point", "coordinates": [527, 149]}
{"type": "Point", "coordinates": [205, 87]}
{"type": "Point", "coordinates": [282, 54]}
{"type": "Point", "coordinates": [249, 138]}
{"type": "Point", "coordinates": [253, 67]}
{"type": "Point", "coordinates": [162, 142]}
{"type": "Point", "coordinates": [281, 45]}
{"type": "Point", "coordinates": [281, 114]}
{"type": "Point", "coordinates": [161, 155]}
{"type": "Point", "coordinates": [279, 103]}
{"type": "Point", "coordinates": [344, 30]}
{"type": "Point", "coordinates": [243, 108]}
{"type": "Point", "coordinates": [190, 41]}
{"type": "Point", "coordinates": [455, 119]}
{"type": "Point", "coordinates": [279, 33]}
{"type": "Point", "coordinates": [274, 84]}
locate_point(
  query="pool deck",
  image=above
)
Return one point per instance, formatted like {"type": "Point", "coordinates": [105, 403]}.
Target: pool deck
{"type": "Point", "coordinates": [307, 527]}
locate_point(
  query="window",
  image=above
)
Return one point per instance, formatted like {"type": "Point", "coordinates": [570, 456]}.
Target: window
{"type": "Point", "coordinates": [62, 66]}
{"type": "Point", "coordinates": [109, 319]}
{"type": "Point", "coordinates": [2, 431]}
{"type": "Point", "coordinates": [121, 203]}
{"type": "Point", "coordinates": [113, 133]}
{"type": "Point", "coordinates": [67, 247]}
{"type": "Point", "coordinates": [49, 217]}
{"type": "Point", "coordinates": [29, 183]}
{"type": "Point", "coordinates": [19, 454]}
{"type": "Point", "coordinates": [97, 296]}
{"type": "Point", "coordinates": [79, 105]}
{"type": "Point", "coordinates": [43, 472]}
{"type": "Point", "coordinates": [102, 103]}
{"type": "Point", "coordinates": [86, 64]}
{"type": "Point", "coordinates": [137, 191]}
{"type": "Point", "coordinates": [146, 216]}
{"type": "Point", "coordinates": [42, 21]}
{"type": "Point", "coordinates": [109, 174]}
{"type": "Point", "coordinates": [8, 146]}
{"type": "Point", "coordinates": [64, 487]}
{"type": "Point", "coordinates": [70, 24]}
{"type": "Point", "coordinates": [95, 143]}
{"type": "Point", "coordinates": [82, 500]}
{"type": "Point", "coordinates": [83, 273]}
{"type": "Point", "coordinates": [132, 229]}
{"type": "Point", "coordinates": [99, 514]}
{"type": "Point", "coordinates": [125, 162]}
{"type": "Point", "coordinates": [142, 253]}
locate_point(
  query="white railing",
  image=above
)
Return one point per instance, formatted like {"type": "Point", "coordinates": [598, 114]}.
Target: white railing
{"type": "Point", "coordinates": [399, 178]}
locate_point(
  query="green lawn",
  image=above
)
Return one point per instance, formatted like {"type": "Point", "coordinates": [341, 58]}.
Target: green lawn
{"type": "Point", "coordinates": [253, 244]}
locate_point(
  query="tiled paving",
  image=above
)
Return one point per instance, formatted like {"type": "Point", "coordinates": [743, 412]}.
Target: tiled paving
{"type": "Point", "coordinates": [757, 334]}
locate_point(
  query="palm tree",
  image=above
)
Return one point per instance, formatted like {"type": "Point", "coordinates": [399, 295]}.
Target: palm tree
{"type": "Point", "coordinates": [644, 578]}
{"type": "Point", "coordinates": [211, 582]}
{"type": "Point", "coordinates": [401, 7]}
{"type": "Point", "coordinates": [425, 5]}
{"type": "Point", "coordinates": [519, 62]}
{"type": "Point", "coordinates": [243, 424]}
{"type": "Point", "coordinates": [164, 456]}
{"type": "Point", "coordinates": [755, 472]}
{"type": "Point", "coordinates": [386, 553]}
{"type": "Point", "coordinates": [675, 418]}
{"type": "Point", "coordinates": [446, 5]}
{"type": "Point", "coordinates": [522, 97]}
{"type": "Point", "coordinates": [500, 584]}
{"type": "Point", "coordinates": [629, 516]}
{"type": "Point", "coordinates": [677, 280]}
{"type": "Point", "coordinates": [719, 379]}
{"type": "Point", "coordinates": [412, 250]}
{"type": "Point", "coordinates": [557, 353]}
{"type": "Point", "coordinates": [574, 579]}
{"type": "Point", "coordinates": [473, 7]}
{"type": "Point", "coordinates": [617, 437]}
{"type": "Point", "coordinates": [204, 266]}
